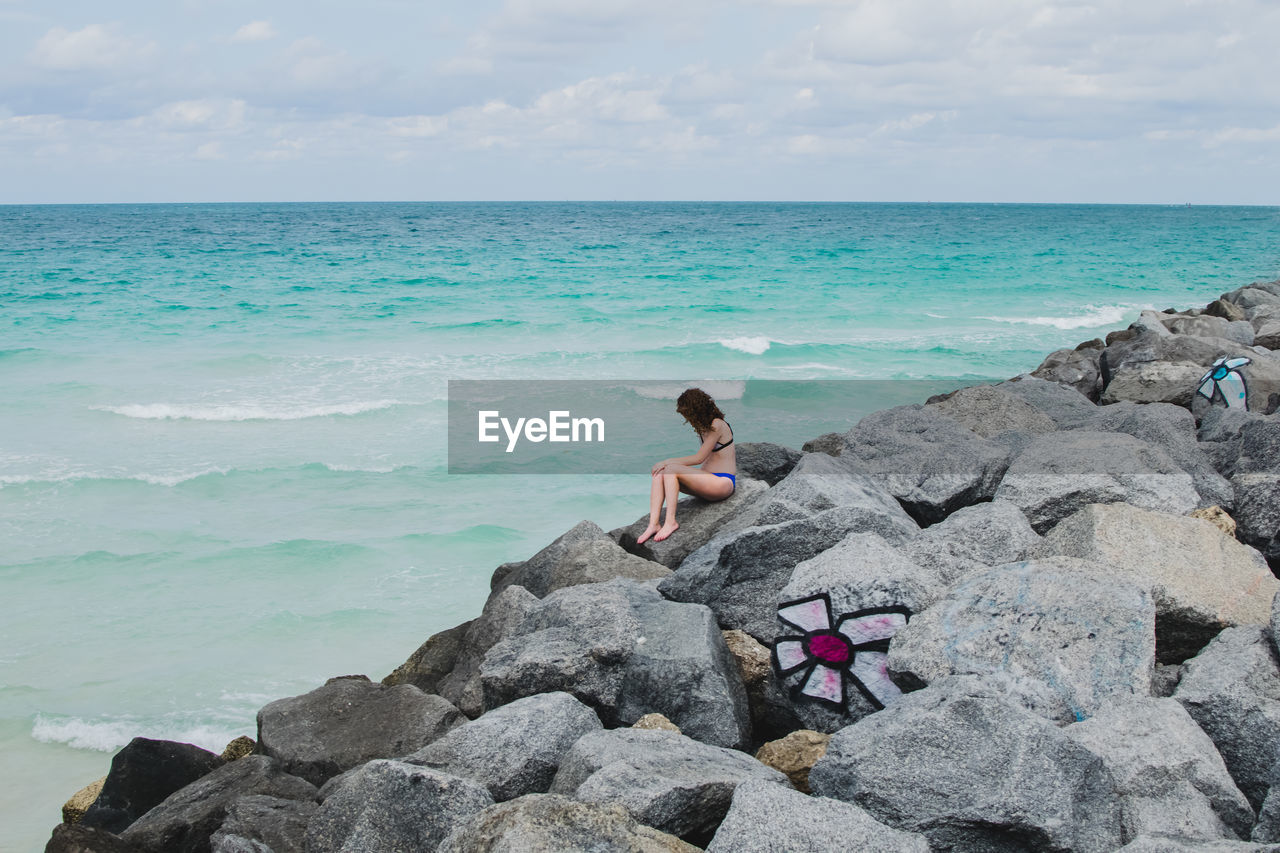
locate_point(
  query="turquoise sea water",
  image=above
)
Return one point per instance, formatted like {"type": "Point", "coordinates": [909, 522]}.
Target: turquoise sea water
{"type": "Point", "coordinates": [222, 450]}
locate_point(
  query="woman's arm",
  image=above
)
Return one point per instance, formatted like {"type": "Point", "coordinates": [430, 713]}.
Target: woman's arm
{"type": "Point", "coordinates": [708, 446]}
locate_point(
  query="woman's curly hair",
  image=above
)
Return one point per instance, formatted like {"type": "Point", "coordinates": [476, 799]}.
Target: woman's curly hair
{"type": "Point", "coordinates": [699, 409]}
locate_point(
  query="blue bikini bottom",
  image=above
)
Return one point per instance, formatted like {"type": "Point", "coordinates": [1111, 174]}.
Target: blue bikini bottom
{"type": "Point", "coordinates": [731, 479]}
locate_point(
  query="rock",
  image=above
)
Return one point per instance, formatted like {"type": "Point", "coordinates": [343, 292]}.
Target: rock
{"type": "Point", "coordinates": [1268, 334]}
{"type": "Point", "coordinates": [390, 805]}
{"type": "Point", "coordinates": [930, 462]}
{"type": "Point", "coordinates": [1059, 403]}
{"type": "Point", "coordinates": [1225, 310]}
{"type": "Point", "coordinates": [228, 843]}
{"type": "Point", "coordinates": [1259, 447]}
{"type": "Point", "coordinates": [664, 780]}
{"type": "Point", "coordinates": [981, 536]}
{"type": "Point", "coordinates": [1258, 513]}
{"type": "Point", "coordinates": [795, 755]}
{"type": "Point", "coordinates": [657, 722]}
{"type": "Point", "coordinates": [830, 443]}
{"type": "Point", "coordinates": [1165, 678]}
{"type": "Point", "coordinates": [432, 661]}
{"type": "Point", "coordinates": [279, 825]}
{"type": "Point", "coordinates": [1218, 517]}
{"type": "Point", "coordinates": [1232, 690]}
{"type": "Point", "coordinates": [989, 410]}
{"type": "Point", "coordinates": [142, 775]}
{"type": "Point", "coordinates": [1208, 326]}
{"type": "Point", "coordinates": [1168, 772]}
{"type": "Point", "coordinates": [972, 773]}
{"type": "Point", "coordinates": [1153, 844]}
{"type": "Point", "coordinates": [584, 554]}
{"type": "Point", "coordinates": [1073, 368]}
{"type": "Point", "coordinates": [740, 572]}
{"type": "Point", "coordinates": [186, 820]}
{"type": "Point", "coordinates": [503, 612]}
{"type": "Point", "coordinates": [835, 619]}
{"type": "Point", "coordinates": [1154, 382]}
{"type": "Point", "coordinates": [1057, 620]}
{"type": "Point", "coordinates": [752, 656]}
{"type": "Point", "coordinates": [761, 460]}
{"type": "Point", "coordinates": [238, 748]}
{"type": "Point", "coordinates": [623, 649]}
{"type": "Point", "coordinates": [764, 818]}
{"type": "Point", "coordinates": [1252, 296]}
{"type": "Point", "coordinates": [512, 750]}
{"type": "Point", "coordinates": [76, 838]}
{"type": "Point", "coordinates": [73, 809]}
{"type": "Point", "coordinates": [349, 721]}
{"type": "Point", "coordinates": [1201, 579]}
{"type": "Point", "coordinates": [1267, 828]}
{"type": "Point", "coordinates": [699, 521]}
{"type": "Point", "coordinates": [1059, 473]}
{"type": "Point", "coordinates": [550, 823]}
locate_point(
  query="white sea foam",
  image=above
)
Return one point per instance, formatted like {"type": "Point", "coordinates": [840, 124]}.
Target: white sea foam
{"type": "Point", "coordinates": [719, 389]}
{"type": "Point", "coordinates": [1093, 317]}
{"type": "Point", "coordinates": [172, 479]}
{"type": "Point", "coordinates": [250, 412]}
{"type": "Point", "coordinates": [751, 346]}
{"type": "Point", "coordinates": [108, 735]}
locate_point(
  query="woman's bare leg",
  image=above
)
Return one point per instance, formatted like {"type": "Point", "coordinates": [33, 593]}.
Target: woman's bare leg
{"type": "Point", "coordinates": [671, 487]}
{"type": "Point", "coordinates": [695, 481]}
{"type": "Point", "coordinates": [657, 490]}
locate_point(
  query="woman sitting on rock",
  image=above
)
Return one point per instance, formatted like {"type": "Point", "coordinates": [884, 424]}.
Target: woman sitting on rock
{"type": "Point", "coordinates": [714, 481]}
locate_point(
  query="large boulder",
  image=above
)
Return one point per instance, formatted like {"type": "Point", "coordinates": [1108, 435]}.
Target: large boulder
{"type": "Point", "coordinates": [981, 536]}
{"type": "Point", "coordinates": [552, 823]}
{"type": "Point", "coordinates": [623, 649]}
{"type": "Point", "coordinates": [989, 410]}
{"type": "Point", "coordinates": [349, 721]}
{"type": "Point", "coordinates": [584, 554]}
{"type": "Point", "coordinates": [972, 773]}
{"type": "Point", "coordinates": [1171, 382]}
{"type": "Point", "coordinates": [188, 818]}
{"type": "Point", "coordinates": [432, 661]}
{"type": "Point", "coordinates": [1073, 368]}
{"type": "Point", "coordinates": [1059, 473]}
{"type": "Point", "coordinates": [765, 818]}
{"type": "Point", "coordinates": [1201, 579]}
{"type": "Point", "coordinates": [1208, 326]}
{"type": "Point", "coordinates": [699, 521]}
{"type": "Point", "coordinates": [277, 824]}
{"type": "Point", "coordinates": [76, 838]}
{"type": "Point", "coordinates": [1170, 777]}
{"type": "Point", "coordinates": [762, 460]}
{"type": "Point", "coordinates": [665, 780]}
{"type": "Point", "coordinates": [142, 775]}
{"type": "Point", "coordinates": [390, 805]}
{"type": "Point", "coordinates": [1061, 404]}
{"type": "Point", "coordinates": [515, 749]}
{"type": "Point", "coordinates": [740, 572]}
{"type": "Point", "coordinates": [503, 613]}
{"type": "Point", "coordinates": [929, 461]}
{"type": "Point", "coordinates": [1257, 512]}
{"type": "Point", "coordinates": [1232, 690]}
{"type": "Point", "coordinates": [1090, 638]}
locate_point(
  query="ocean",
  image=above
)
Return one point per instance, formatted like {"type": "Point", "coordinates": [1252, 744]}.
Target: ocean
{"type": "Point", "coordinates": [222, 448]}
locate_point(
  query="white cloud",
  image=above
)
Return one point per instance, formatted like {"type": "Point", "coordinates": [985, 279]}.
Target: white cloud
{"type": "Point", "coordinates": [255, 31]}
{"type": "Point", "coordinates": [210, 151]}
{"type": "Point", "coordinates": [91, 48]}
{"type": "Point", "coordinates": [209, 114]}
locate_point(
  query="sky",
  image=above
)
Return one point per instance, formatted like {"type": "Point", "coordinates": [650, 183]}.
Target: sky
{"type": "Point", "coordinates": [1125, 101]}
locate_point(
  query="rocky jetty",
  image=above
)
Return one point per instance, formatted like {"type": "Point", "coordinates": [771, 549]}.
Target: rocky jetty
{"type": "Point", "coordinates": [1035, 615]}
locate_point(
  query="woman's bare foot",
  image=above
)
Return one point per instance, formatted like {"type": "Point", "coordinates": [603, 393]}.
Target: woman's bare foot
{"type": "Point", "coordinates": [648, 532]}
{"type": "Point", "coordinates": [667, 529]}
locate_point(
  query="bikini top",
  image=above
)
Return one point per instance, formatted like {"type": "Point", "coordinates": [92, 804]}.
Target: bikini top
{"type": "Point", "coordinates": [720, 446]}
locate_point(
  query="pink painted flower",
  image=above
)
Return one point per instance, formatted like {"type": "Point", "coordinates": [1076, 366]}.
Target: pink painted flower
{"type": "Point", "coordinates": [853, 652]}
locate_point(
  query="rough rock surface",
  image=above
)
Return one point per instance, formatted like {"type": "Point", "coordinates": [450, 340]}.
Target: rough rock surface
{"type": "Point", "coordinates": [795, 755]}
{"type": "Point", "coordinates": [390, 805]}
{"type": "Point", "coordinates": [349, 721]}
{"type": "Point", "coordinates": [1218, 517]}
{"type": "Point", "coordinates": [75, 838]}
{"type": "Point", "coordinates": [656, 721]}
{"type": "Point", "coordinates": [79, 802]}
{"type": "Point", "coordinates": [972, 774]}
{"type": "Point", "coordinates": [761, 460]}
{"type": "Point", "coordinates": [665, 780]}
{"type": "Point", "coordinates": [1061, 472]}
{"type": "Point", "coordinates": [550, 823]}
{"type": "Point", "coordinates": [1258, 513]}
{"type": "Point", "coordinates": [584, 554]}
{"type": "Point", "coordinates": [766, 818]}
{"type": "Point", "coordinates": [432, 661]}
{"type": "Point", "coordinates": [989, 410]}
{"type": "Point", "coordinates": [512, 750]}
{"type": "Point", "coordinates": [142, 775]}
{"type": "Point", "coordinates": [699, 521]}
{"type": "Point", "coordinates": [503, 613]}
{"type": "Point", "coordinates": [186, 820]}
{"type": "Point", "coordinates": [981, 536]}
{"type": "Point", "coordinates": [1201, 579]}
{"type": "Point", "coordinates": [623, 649]}
{"type": "Point", "coordinates": [1076, 369]}
{"type": "Point", "coordinates": [830, 443]}
{"type": "Point", "coordinates": [277, 824]}
{"type": "Point", "coordinates": [1056, 620]}
{"type": "Point", "coordinates": [1232, 690]}
{"type": "Point", "coordinates": [1168, 773]}
{"type": "Point", "coordinates": [1061, 404]}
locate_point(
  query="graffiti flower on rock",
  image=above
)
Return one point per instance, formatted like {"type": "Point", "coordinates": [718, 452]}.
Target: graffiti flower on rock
{"type": "Point", "coordinates": [834, 655]}
{"type": "Point", "coordinates": [1225, 382]}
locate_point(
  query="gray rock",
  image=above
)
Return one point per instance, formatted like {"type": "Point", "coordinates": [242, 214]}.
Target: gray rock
{"type": "Point", "coordinates": [740, 572]}
{"type": "Point", "coordinates": [663, 779]}
{"type": "Point", "coordinates": [1166, 676]}
{"type": "Point", "coordinates": [142, 775]}
{"type": "Point", "coordinates": [930, 462]}
{"type": "Point", "coordinates": [432, 661]}
{"type": "Point", "coordinates": [1232, 690]}
{"type": "Point", "coordinates": [699, 521]}
{"type": "Point", "coordinates": [1155, 844]}
{"type": "Point", "coordinates": [1073, 368]}
{"type": "Point", "coordinates": [623, 649]}
{"type": "Point", "coordinates": [1060, 403]}
{"type": "Point", "coordinates": [551, 823]}
{"type": "Point", "coordinates": [765, 818]}
{"type": "Point", "coordinates": [1207, 326]}
{"type": "Point", "coordinates": [584, 554]}
{"type": "Point", "coordinates": [1201, 579]}
{"type": "Point", "coordinates": [830, 443]}
{"type": "Point", "coordinates": [972, 773]}
{"type": "Point", "coordinates": [1267, 828]}
{"type": "Point", "coordinates": [1154, 382]}
{"type": "Point", "coordinates": [390, 805]}
{"type": "Point", "coordinates": [990, 410]}
{"type": "Point", "coordinates": [1059, 473]}
{"type": "Point", "coordinates": [1259, 449]}
{"type": "Point", "coordinates": [762, 460]}
{"type": "Point", "coordinates": [278, 825]}
{"type": "Point", "coordinates": [1257, 513]}
{"type": "Point", "coordinates": [971, 539]}
{"type": "Point", "coordinates": [1253, 296]}
{"type": "Point", "coordinates": [1168, 773]}
{"type": "Point", "coordinates": [1225, 310]}
{"type": "Point", "coordinates": [512, 750]}
{"type": "Point", "coordinates": [503, 613]}
{"type": "Point", "coordinates": [187, 819]}
{"type": "Point", "coordinates": [75, 838]}
{"type": "Point", "coordinates": [1268, 334]}
{"type": "Point", "coordinates": [349, 721]}
{"type": "Point", "coordinates": [229, 843]}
